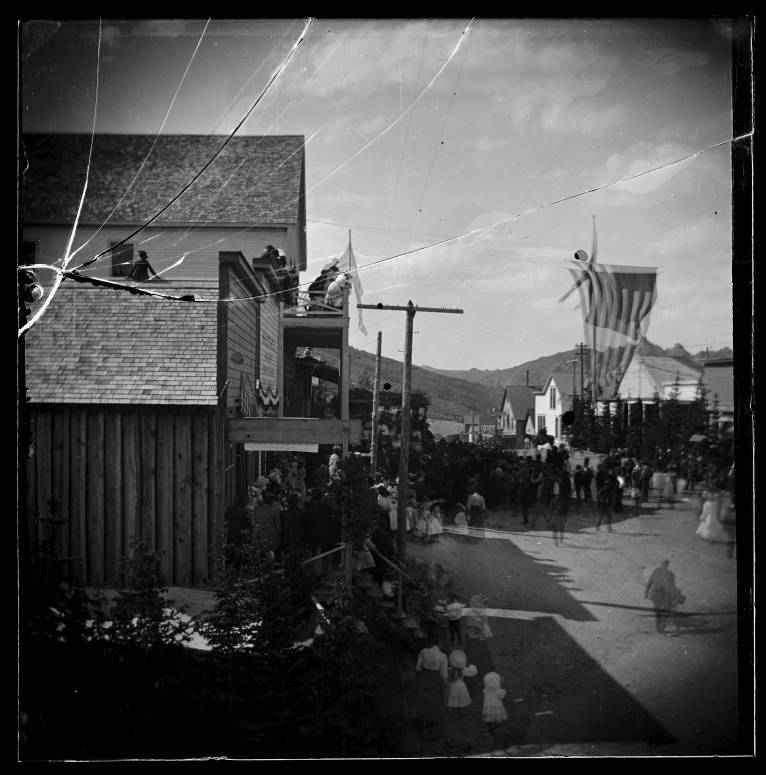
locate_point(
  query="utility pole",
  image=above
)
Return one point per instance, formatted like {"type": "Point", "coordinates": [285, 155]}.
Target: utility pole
{"type": "Point", "coordinates": [375, 404]}
{"type": "Point", "coordinates": [404, 452]}
{"type": "Point", "coordinates": [581, 347]}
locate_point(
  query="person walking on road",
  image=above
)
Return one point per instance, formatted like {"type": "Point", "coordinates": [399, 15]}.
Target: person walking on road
{"type": "Point", "coordinates": [605, 481]}
{"type": "Point", "coordinates": [662, 591]}
{"type": "Point", "coordinates": [477, 508]}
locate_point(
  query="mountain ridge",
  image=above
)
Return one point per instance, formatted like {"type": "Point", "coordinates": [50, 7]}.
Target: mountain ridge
{"type": "Point", "coordinates": [455, 393]}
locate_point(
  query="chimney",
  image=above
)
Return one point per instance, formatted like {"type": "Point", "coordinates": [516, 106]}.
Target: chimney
{"type": "Point", "coordinates": [527, 377]}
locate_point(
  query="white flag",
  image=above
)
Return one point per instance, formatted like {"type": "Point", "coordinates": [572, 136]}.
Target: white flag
{"type": "Point", "coordinates": [347, 265]}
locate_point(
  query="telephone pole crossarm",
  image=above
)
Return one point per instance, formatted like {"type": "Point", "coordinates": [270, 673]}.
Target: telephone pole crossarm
{"type": "Point", "coordinates": [404, 450]}
{"type": "Point", "coordinates": [405, 308]}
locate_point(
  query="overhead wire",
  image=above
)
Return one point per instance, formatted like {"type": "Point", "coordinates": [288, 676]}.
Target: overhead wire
{"type": "Point", "coordinates": [400, 116]}
{"type": "Point", "coordinates": [491, 226]}
{"type": "Point", "coordinates": [58, 279]}
{"type": "Point", "coordinates": [195, 228]}
{"type": "Point", "coordinates": [215, 155]}
{"type": "Point", "coordinates": [154, 142]}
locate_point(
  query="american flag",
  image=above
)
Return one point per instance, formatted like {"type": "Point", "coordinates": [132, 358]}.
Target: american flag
{"type": "Point", "coordinates": [616, 302]}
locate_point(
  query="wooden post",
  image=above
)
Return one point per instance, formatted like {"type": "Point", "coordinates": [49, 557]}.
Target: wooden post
{"type": "Point", "coordinates": [345, 374]}
{"type": "Point", "coordinates": [404, 451]}
{"type": "Point", "coordinates": [410, 309]}
{"type": "Point", "coordinates": [375, 405]}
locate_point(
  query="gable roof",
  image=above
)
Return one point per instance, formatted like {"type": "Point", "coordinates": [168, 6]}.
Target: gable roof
{"type": "Point", "coordinates": [95, 345]}
{"type": "Point", "coordinates": [663, 369]}
{"type": "Point", "coordinates": [521, 399]}
{"type": "Point", "coordinates": [254, 180]}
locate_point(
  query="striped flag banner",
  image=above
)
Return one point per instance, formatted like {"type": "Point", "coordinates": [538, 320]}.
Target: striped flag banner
{"type": "Point", "coordinates": [615, 302]}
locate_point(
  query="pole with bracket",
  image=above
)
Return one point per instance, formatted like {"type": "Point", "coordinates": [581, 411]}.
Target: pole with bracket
{"type": "Point", "coordinates": [404, 454]}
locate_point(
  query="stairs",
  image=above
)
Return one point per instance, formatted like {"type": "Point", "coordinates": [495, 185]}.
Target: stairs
{"type": "Point", "coordinates": [405, 626]}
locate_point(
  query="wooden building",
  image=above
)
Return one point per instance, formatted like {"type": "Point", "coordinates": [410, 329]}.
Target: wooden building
{"type": "Point", "coordinates": [148, 414]}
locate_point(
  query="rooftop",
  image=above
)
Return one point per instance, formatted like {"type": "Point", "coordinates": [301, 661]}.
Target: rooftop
{"type": "Point", "coordinates": [95, 345]}
{"type": "Point", "coordinates": [254, 180]}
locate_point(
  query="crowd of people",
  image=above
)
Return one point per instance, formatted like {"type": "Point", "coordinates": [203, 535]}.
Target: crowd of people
{"type": "Point", "coordinates": [285, 513]}
{"type": "Point", "coordinates": [544, 485]}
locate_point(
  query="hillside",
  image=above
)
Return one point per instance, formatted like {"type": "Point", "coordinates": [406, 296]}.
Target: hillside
{"type": "Point", "coordinates": [450, 397]}
{"type": "Point", "coordinates": [540, 368]}
{"type": "Point", "coordinates": [454, 393]}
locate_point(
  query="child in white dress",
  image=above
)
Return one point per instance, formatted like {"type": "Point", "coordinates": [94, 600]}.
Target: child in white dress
{"type": "Point", "coordinates": [457, 695]}
{"type": "Point", "coordinates": [421, 525]}
{"type": "Point", "coordinates": [494, 711]}
{"type": "Point", "coordinates": [461, 522]}
{"type": "Point", "coordinates": [433, 525]}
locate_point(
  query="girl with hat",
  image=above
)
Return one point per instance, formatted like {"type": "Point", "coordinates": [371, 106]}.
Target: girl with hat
{"type": "Point", "coordinates": [456, 694]}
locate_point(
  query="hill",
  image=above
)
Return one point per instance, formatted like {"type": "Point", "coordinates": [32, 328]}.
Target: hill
{"type": "Point", "coordinates": [540, 368]}
{"type": "Point", "coordinates": [454, 393]}
{"type": "Point", "coordinates": [451, 397]}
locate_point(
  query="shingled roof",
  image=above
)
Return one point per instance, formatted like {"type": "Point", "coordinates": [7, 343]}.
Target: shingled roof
{"type": "Point", "coordinates": [101, 346]}
{"type": "Point", "coordinates": [521, 398]}
{"type": "Point", "coordinates": [255, 179]}
{"type": "Point", "coordinates": [664, 369]}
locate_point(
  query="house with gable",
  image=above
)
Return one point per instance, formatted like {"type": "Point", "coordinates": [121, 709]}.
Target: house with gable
{"type": "Point", "coordinates": [149, 415]}
{"type": "Point", "coordinates": [517, 415]}
{"type": "Point", "coordinates": [648, 376]}
{"type": "Point", "coordinates": [554, 399]}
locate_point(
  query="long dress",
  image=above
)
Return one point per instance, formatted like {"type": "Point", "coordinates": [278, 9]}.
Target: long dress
{"type": "Point", "coordinates": [457, 692]}
{"type": "Point", "coordinates": [493, 711]}
{"type": "Point", "coordinates": [710, 527]}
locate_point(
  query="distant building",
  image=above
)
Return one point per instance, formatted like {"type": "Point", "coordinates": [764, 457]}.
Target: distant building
{"type": "Point", "coordinates": [480, 426]}
{"type": "Point", "coordinates": [647, 376]}
{"type": "Point", "coordinates": [555, 398]}
{"type": "Point", "coordinates": [517, 415]}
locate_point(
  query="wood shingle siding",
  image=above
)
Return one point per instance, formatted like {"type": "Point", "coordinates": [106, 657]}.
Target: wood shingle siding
{"type": "Point", "coordinates": [121, 348]}
{"type": "Point", "coordinates": [136, 475]}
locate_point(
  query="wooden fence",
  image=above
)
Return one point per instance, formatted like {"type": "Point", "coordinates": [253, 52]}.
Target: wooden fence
{"type": "Point", "coordinates": [105, 476]}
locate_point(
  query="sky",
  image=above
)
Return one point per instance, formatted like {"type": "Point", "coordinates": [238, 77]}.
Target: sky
{"type": "Point", "coordinates": [420, 131]}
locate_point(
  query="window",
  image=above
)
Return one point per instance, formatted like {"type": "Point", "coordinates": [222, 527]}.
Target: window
{"type": "Point", "coordinates": [553, 398]}
{"type": "Point", "coordinates": [558, 427]}
{"type": "Point", "coordinates": [122, 259]}
{"type": "Point", "coordinates": [540, 421]}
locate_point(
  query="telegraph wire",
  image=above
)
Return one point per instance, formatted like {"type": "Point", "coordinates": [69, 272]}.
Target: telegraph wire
{"type": "Point", "coordinates": [215, 155]}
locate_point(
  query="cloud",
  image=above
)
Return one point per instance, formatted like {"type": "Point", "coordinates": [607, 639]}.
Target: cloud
{"type": "Point", "coordinates": [378, 55]}
{"type": "Point", "coordinates": [641, 158]}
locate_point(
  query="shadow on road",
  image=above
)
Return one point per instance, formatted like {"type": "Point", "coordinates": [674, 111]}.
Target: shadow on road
{"type": "Point", "coordinates": [511, 578]}
{"type": "Point", "coordinates": [556, 694]}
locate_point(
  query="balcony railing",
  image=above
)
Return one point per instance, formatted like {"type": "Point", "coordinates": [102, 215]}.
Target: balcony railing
{"type": "Point", "coordinates": [313, 306]}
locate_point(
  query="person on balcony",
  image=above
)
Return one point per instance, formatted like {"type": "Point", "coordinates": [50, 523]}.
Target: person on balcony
{"type": "Point", "coordinates": [334, 295]}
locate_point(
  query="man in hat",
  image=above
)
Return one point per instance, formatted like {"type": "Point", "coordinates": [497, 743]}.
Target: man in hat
{"type": "Point", "coordinates": [662, 591]}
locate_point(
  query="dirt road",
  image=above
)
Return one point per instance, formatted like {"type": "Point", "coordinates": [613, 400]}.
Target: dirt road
{"type": "Point", "coordinates": [575, 640]}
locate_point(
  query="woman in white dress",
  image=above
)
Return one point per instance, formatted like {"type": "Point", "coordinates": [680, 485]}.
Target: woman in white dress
{"type": "Point", "coordinates": [710, 527]}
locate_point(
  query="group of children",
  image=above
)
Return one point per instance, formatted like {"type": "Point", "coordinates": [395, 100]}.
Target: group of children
{"type": "Point", "coordinates": [458, 697]}
{"type": "Point", "coordinates": [425, 522]}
